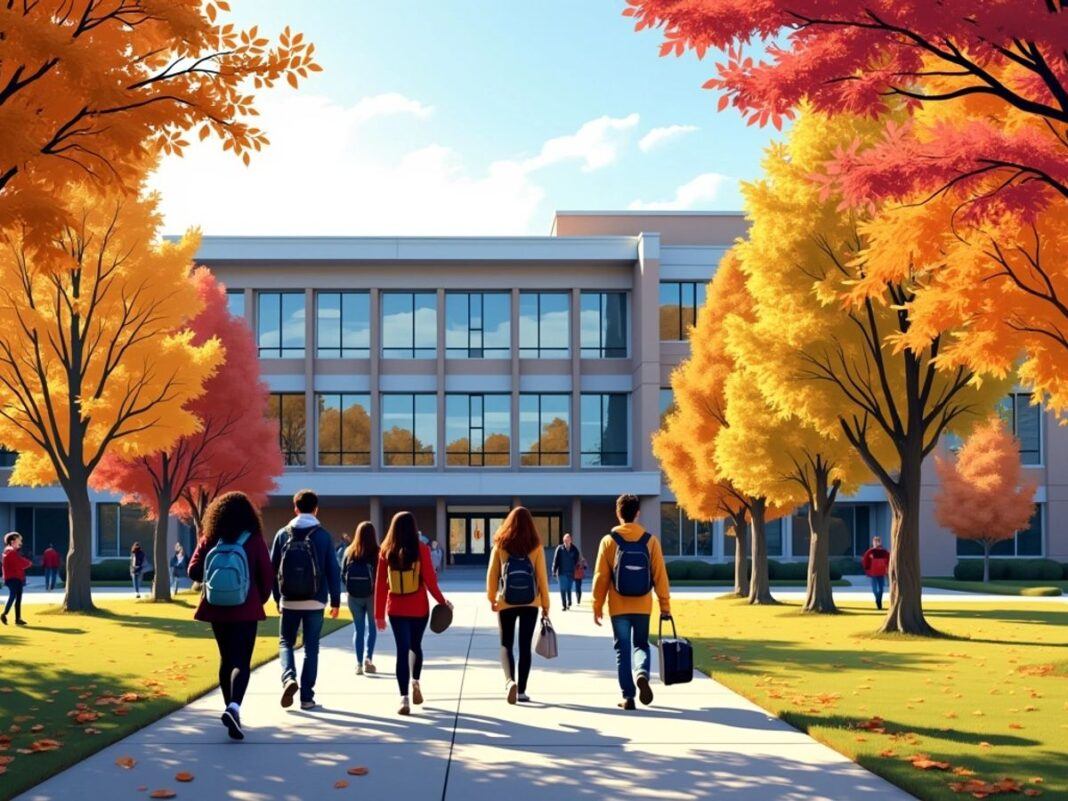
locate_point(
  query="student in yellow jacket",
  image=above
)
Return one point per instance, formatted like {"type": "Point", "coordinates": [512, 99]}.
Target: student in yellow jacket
{"type": "Point", "coordinates": [630, 566]}
{"type": "Point", "coordinates": [517, 584]}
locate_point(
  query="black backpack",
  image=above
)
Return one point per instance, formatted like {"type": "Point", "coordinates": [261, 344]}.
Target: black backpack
{"type": "Point", "coordinates": [359, 579]}
{"type": "Point", "coordinates": [633, 572]}
{"type": "Point", "coordinates": [517, 581]}
{"type": "Point", "coordinates": [298, 571]}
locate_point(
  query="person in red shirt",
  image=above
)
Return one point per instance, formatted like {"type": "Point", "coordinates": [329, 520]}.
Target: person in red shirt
{"type": "Point", "coordinates": [876, 563]}
{"type": "Point", "coordinates": [404, 576]}
{"type": "Point", "coordinates": [227, 519]}
{"type": "Point", "coordinates": [50, 562]}
{"type": "Point", "coordinates": [14, 566]}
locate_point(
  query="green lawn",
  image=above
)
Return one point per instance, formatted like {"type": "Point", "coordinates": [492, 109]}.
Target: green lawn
{"type": "Point", "coordinates": [74, 684]}
{"type": "Point", "coordinates": [991, 699]}
{"type": "Point", "coordinates": [1035, 588]}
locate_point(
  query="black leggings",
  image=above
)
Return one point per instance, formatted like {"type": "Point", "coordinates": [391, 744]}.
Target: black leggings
{"type": "Point", "coordinates": [408, 634]}
{"type": "Point", "coordinates": [235, 641]}
{"type": "Point", "coordinates": [14, 596]}
{"type": "Point", "coordinates": [528, 619]}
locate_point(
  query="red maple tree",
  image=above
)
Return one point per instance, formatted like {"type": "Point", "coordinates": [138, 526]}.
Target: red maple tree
{"type": "Point", "coordinates": [236, 448]}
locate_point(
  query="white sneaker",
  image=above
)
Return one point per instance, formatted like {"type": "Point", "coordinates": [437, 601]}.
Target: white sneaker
{"type": "Point", "coordinates": [359, 668]}
{"type": "Point", "coordinates": [405, 709]}
{"type": "Point", "coordinates": [523, 698]}
{"type": "Point", "coordinates": [511, 690]}
{"type": "Point", "coordinates": [417, 694]}
{"type": "Point", "coordinates": [369, 666]}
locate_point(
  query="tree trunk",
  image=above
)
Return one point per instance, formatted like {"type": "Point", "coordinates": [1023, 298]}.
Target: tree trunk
{"type": "Point", "coordinates": [759, 584]}
{"type": "Point", "coordinates": [741, 559]}
{"type": "Point", "coordinates": [819, 596]}
{"type": "Point", "coordinates": [78, 594]}
{"type": "Point", "coordinates": [161, 576]}
{"type": "Point", "coordinates": [904, 615]}
{"type": "Point", "coordinates": [986, 561]}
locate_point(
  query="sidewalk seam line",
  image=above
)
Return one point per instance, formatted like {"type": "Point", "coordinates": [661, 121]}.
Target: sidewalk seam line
{"type": "Point", "coordinates": [459, 701]}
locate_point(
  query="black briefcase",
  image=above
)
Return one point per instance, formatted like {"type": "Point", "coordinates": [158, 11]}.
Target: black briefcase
{"type": "Point", "coordinates": [676, 656]}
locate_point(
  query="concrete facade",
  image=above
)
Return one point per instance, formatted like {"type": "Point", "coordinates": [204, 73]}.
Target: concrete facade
{"type": "Point", "coordinates": [644, 258]}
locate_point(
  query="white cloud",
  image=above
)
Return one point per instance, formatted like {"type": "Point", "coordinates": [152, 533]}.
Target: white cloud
{"type": "Point", "coordinates": [658, 136]}
{"type": "Point", "coordinates": [704, 190]}
{"type": "Point", "coordinates": [322, 174]}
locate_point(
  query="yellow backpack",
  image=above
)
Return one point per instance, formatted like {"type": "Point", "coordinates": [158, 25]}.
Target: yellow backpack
{"type": "Point", "coordinates": [405, 582]}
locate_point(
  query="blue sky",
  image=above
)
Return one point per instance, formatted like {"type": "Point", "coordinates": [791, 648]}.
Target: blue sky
{"type": "Point", "coordinates": [467, 117]}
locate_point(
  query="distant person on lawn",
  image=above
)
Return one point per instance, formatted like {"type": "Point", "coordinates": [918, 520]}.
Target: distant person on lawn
{"type": "Point", "coordinates": [404, 576]}
{"type": "Point", "coordinates": [358, 566]}
{"type": "Point", "coordinates": [306, 572]}
{"type": "Point", "coordinates": [232, 522]}
{"type": "Point", "coordinates": [13, 568]}
{"type": "Point", "coordinates": [876, 564]}
{"type": "Point", "coordinates": [517, 585]}
{"type": "Point", "coordinates": [178, 566]}
{"type": "Point", "coordinates": [50, 561]}
{"type": "Point", "coordinates": [137, 566]}
{"type": "Point", "coordinates": [630, 566]}
{"type": "Point", "coordinates": [565, 559]}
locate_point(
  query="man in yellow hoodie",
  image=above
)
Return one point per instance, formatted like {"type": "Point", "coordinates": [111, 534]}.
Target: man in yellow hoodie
{"type": "Point", "coordinates": [630, 566]}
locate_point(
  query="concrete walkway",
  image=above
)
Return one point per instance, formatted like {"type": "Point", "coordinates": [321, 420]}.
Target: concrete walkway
{"type": "Point", "coordinates": [696, 741]}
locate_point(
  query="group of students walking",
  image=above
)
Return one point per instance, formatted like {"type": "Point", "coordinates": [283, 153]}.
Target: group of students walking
{"type": "Point", "coordinates": [392, 582]}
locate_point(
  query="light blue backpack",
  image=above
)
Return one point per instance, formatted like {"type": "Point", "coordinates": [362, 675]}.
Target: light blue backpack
{"type": "Point", "coordinates": [226, 579]}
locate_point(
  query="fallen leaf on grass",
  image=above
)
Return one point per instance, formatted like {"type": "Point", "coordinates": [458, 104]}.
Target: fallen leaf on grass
{"type": "Point", "coordinates": [37, 727]}
{"type": "Point", "coordinates": [1015, 726]}
{"type": "Point", "coordinates": [358, 771]}
{"type": "Point", "coordinates": [924, 762]}
{"type": "Point", "coordinates": [37, 746]}
{"type": "Point", "coordinates": [126, 762]}
{"type": "Point", "coordinates": [184, 776]}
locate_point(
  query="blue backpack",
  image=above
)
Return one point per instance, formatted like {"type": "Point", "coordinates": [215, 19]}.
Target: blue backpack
{"type": "Point", "coordinates": [518, 586]}
{"type": "Point", "coordinates": [632, 573]}
{"type": "Point", "coordinates": [226, 577]}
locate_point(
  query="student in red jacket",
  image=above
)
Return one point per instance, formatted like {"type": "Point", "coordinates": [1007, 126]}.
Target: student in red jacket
{"type": "Point", "coordinates": [228, 518]}
{"type": "Point", "coordinates": [404, 576]}
{"type": "Point", "coordinates": [14, 571]}
{"type": "Point", "coordinates": [50, 562]}
{"type": "Point", "coordinates": [876, 563]}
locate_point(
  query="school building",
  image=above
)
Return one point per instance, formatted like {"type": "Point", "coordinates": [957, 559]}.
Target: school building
{"type": "Point", "coordinates": [457, 376]}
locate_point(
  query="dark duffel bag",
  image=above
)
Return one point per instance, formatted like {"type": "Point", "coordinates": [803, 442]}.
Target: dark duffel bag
{"type": "Point", "coordinates": [676, 656]}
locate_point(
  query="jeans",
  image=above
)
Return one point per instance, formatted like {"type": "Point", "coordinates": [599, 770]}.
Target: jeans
{"type": "Point", "coordinates": [236, 642]}
{"type": "Point", "coordinates": [363, 623]}
{"type": "Point", "coordinates": [506, 620]}
{"type": "Point", "coordinates": [51, 574]}
{"type": "Point", "coordinates": [578, 590]}
{"type": "Point", "coordinates": [408, 634]}
{"type": "Point", "coordinates": [176, 578]}
{"type": "Point", "coordinates": [631, 634]}
{"type": "Point", "coordinates": [565, 589]}
{"type": "Point", "coordinates": [136, 577]}
{"type": "Point", "coordinates": [14, 596]}
{"type": "Point", "coordinates": [878, 584]}
{"type": "Point", "coordinates": [311, 622]}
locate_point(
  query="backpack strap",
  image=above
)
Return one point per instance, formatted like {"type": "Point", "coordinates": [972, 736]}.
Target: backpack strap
{"type": "Point", "coordinates": [244, 537]}
{"type": "Point", "coordinates": [620, 542]}
{"type": "Point", "coordinates": [645, 539]}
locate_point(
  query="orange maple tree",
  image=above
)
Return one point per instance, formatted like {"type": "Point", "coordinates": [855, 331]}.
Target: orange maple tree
{"type": "Point", "coordinates": [98, 89]}
{"type": "Point", "coordinates": [985, 496]}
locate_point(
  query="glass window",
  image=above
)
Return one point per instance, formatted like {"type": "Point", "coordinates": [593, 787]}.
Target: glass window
{"type": "Point", "coordinates": [478, 430]}
{"type": "Point", "coordinates": [8, 457]}
{"type": "Point", "coordinates": [704, 539]}
{"type": "Point", "coordinates": [288, 409]}
{"type": "Point", "coordinates": [343, 325]}
{"type": "Point", "coordinates": [544, 430]}
{"type": "Point", "coordinates": [1024, 420]}
{"type": "Point", "coordinates": [119, 527]}
{"type": "Point", "coordinates": [544, 325]}
{"type": "Point", "coordinates": [603, 325]}
{"type": "Point", "coordinates": [667, 404]}
{"type": "Point", "coordinates": [1026, 543]}
{"type": "Point", "coordinates": [409, 325]}
{"type": "Point", "coordinates": [478, 325]}
{"type": "Point", "coordinates": [344, 429]}
{"type": "Point", "coordinates": [605, 428]}
{"type": "Point", "coordinates": [280, 325]}
{"type": "Point", "coordinates": [680, 301]}
{"type": "Point", "coordinates": [409, 430]}
{"type": "Point", "coordinates": [681, 536]}
{"type": "Point", "coordinates": [773, 535]}
{"type": "Point", "coordinates": [669, 529]}
{"type": "Point", "coordinates": [548, 526]}
{"type": "Point", "coordinates": [235, 302]}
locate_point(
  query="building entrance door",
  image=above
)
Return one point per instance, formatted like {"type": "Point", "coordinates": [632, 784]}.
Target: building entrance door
{"type": "Point", "coordinates": [471, 536]}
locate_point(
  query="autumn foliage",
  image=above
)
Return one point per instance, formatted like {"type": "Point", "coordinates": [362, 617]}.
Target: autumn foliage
{"type": "Point", "coordinates": [985, 495]}
{"type": "Point", "coordinates": [235, 447]}
{"type": "Point", "coordinates": [96, 90]}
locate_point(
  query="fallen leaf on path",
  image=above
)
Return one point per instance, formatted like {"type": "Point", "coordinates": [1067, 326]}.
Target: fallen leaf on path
{"type": "Point", "coordinates": [340, 784]}
{"type": "Point", "coordinates": [358, 771]}
{"type": "Point", "coordinates": [163, 793]}
{"type": "Point", "coordinates": [183, 777]}
{"type": "Point", "coordinates": [126, 762]}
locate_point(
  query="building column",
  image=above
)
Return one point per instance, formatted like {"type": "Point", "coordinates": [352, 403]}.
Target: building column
{"type": "Point", "coordinates": [576, 378]}
{"type": "Point", "coordinates": [441, 523]}
{"type": "Point", "coordinates": [514, 456]}
{"type": "Point", "coordinates": [311, 428]}
{"type": "Point", "coordinates": [576, 521]}
{"type": "Point", "coordinates": [650, 513]}
{"type": "Point", "coordinates": [376, 395]}
{"type": "Point", "coordinates": [439, 449]}
{"type": "Point", "coordinates": [645, 332]}
{"type": "Point", "coordinates": [375, 513]}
